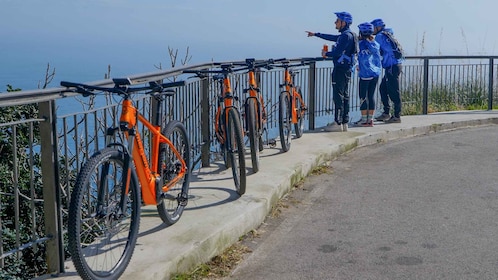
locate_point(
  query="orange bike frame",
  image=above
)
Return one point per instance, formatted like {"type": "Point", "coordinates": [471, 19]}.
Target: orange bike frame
{"type": "Point", "coordinates": [227, 103]}
{"type": "Point", "coordinates": [293, 94]}
{"type": "Point", "coordinates": [253, 93]}
{"type": "Point", "coordinates": [147, 173]}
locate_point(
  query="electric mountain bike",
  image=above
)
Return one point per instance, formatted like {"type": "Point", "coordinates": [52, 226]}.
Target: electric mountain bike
{"type": "Point", "coordinates": [254, 108]}
{"type": "Point", "coordinates": [227, 124]}
{"type": "Point", "coordinates": [291, 106]}
{"type": "Point", "coordinates": [104, 211]}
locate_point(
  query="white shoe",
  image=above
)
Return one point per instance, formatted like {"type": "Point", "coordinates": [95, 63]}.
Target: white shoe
{"type": "Point", "coordinates": [333, 127]}
{"type": "Point", "coordinates": [344, 127]}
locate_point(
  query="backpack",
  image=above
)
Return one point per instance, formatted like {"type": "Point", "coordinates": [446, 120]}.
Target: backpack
{"type": "Point", "coordinates": [395, 45]}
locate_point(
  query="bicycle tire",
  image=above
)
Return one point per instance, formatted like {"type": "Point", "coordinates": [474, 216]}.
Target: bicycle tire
{"type": "Point", "coordinates": [260, 124]}
{"type": "Point", "coordinates": [299, 126]}
{"type": "Point", "coordinates": [284, 121]}
{"type": "Point", "coordinates": [252, 133]}
{"type": "Point", "coordinates": [236, 151]}
{"type": "Point", "coordinates": [172, 203]}
{"type": "Point", "coordinates": [101, 238]}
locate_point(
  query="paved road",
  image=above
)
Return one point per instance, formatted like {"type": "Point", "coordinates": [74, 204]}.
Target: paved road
{"type": "Point", "coordinates": [418, 208]}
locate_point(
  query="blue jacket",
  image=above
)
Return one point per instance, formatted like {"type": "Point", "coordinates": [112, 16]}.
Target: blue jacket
{"type": "Point", "coordinates": [388, 58]}
{"type": "Point", "coordinates": [343, 53]}
{"type": "Point", "coordinates": [369, 59]}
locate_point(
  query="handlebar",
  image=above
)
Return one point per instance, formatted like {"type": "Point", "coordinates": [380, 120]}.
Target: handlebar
{"type": "Point", "coordinates": [285, 63]}
{"type": "Point", "coordinates": [121, 86]}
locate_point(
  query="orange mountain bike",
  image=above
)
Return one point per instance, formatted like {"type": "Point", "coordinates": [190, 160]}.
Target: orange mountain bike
{"type": "Point", "coordinates": [291, 106]}
{"type": "Point", "coordinates": [254, 107]}
{"type": "Point", "coordinates": [104, 211]}
{"type": "Point", "coordinates": [227, 124]}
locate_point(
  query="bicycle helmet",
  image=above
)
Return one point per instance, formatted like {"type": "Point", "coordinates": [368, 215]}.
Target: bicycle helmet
{"type": "Point", "coordinates": [366, 28]}
{"type": "Point", "coordinates": [345, 16]}
{"type": "Point", "coordinates": [378, 22]}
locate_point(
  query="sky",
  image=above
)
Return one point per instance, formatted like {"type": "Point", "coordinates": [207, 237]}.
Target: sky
{"type": "Point", "coordinates": [80, 38]}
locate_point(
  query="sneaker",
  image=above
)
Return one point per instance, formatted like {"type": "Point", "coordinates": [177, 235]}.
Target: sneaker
{"type": "Point", "coordinates": [394, 119]}
{"type": "Point", "coordinates": [383, 118]}
{"type": "Point", "coordinates": [333, 127]}
{"type": "Point", "coordinates": [367, 123]}
{"type": "Point", "coordinates": [345, 127]}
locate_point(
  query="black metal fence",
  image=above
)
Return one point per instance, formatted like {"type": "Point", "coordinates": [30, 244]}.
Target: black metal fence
{"type": "Point", "coordinates": [41, 154]}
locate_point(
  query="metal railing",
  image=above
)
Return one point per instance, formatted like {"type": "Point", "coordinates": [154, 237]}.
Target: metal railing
{"type": "Point", "coordinates": [47, 149]}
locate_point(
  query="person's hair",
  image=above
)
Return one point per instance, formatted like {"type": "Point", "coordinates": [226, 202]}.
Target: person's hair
{"type": "Point", "coordinates": [369, 37]}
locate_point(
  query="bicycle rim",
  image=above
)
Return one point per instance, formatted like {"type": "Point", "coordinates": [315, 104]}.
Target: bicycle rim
{"type": "Point", "coordinates": [299, 126]}
{"type": "Point", "coordinates": [101, 235]}
{"type": "Point", "coordinates": [285, 121]}
{"type": "Point", "coordinates": [252, 133]}
{"type": "Point", "coordinates": [236, 151]}
{"type": "Point", "coordinates": [173, 202]}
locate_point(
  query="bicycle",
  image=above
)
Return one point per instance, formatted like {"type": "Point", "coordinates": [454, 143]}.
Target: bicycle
{"type": "Point", "coordinates": [291, 106]}
{"type": "Point", "coordinates": [228, 129]}
{"type": "Point", "coordinates": [254, 107]}
{"type": "Point", "coordinates": [104, 210]}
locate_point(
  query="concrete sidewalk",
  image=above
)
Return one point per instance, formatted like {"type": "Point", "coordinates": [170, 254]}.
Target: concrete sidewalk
{"type": "Point", "coordinates": [216, 217]}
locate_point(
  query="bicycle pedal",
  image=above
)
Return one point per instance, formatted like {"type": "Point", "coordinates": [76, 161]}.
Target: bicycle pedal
{"type": "Point", "coordinates": [272, 143]}
{"type": "Point", "coordinates": [182, 199]}
{"type": "Point", "coordinates": [168, 196]}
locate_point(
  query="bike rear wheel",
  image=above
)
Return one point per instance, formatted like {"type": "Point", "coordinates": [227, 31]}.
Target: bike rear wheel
{"type": "Point", "coordinates": [299, 126]}
{"type": "Point", "coordinates": [236, 151]}
{"type": "Point", "coordinates": [172, 203]}
{"type": "Point", "coordinates": [285, 121]}
{"type": "Point", "coordinates": [252, 133]}
{"type": "Point", "coordinates": [103, 219]}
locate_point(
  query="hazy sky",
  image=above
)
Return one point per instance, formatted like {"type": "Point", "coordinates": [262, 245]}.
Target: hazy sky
{"type": "Point", "coordinates": [134, 35]}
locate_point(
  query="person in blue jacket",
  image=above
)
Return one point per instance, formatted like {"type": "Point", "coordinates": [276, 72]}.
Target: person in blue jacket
{"type": "Point", "coordinates": [389, 87]}
{"type": "Point", "coordinates": [343, 56]}
{"type": "Point", "coordinates": [369, 66]}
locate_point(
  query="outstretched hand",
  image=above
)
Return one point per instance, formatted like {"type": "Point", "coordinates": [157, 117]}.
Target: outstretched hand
{"type": "Point", "coordinates": [310, 34]}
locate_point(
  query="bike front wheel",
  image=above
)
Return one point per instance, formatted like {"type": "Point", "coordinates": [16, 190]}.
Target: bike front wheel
{"type": "Point", "coordinates": [236, 151]}
{"type": "Point", "coordinates": [252, 133]}
{"type": "Point", "coordinates": [172, 203]}
{"type": "Point", "coordinates": [104, 216]}
{"type": "Point", "coordinates": [299, 107]}
{"type": "Point", "coordinates": [285, 121]}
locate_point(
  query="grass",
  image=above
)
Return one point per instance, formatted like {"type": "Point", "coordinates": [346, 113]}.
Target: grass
{"type": "Point", "coordinates": [443, 98]}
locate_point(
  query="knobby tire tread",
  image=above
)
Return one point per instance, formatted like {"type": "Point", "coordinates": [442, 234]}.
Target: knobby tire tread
{"type": "Point", "coordinates": [284, 121]}
{"type": "Point", "coordinates": [235, 144]}
{"type": "Point", "coordinates": [253, 133]}
{"type": "Point", "coordinates": [170, 207]}
{"type": "Point", "coordinates": [77, 208]}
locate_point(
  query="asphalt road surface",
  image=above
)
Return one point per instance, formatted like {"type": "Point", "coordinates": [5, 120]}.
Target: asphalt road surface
{"type": "Point", "coordinates": [419, 208]}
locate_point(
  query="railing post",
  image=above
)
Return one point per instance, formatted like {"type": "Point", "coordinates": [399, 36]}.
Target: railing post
{"type": "Point", "coordinates": [205, 125]}
{"type": "Point", "coordinates": [425, 98]}
{"type": "Point", "coordinates": [311, 95]}
{"type": "Point", "coordinates": [490, 84]}
{"type": "Point", "coordinates": [51, 191]}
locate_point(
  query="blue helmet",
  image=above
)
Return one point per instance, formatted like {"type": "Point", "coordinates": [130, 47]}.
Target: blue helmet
{"type": "Point", "coordinates": [366, 28]}
{"type": "Point", "coordinates": [378, 22]}
{"type": "Point", "coordinates": [345, 16]}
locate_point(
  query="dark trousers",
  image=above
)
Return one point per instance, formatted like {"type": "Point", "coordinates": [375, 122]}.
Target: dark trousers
{"type": "Point", "coordinates": [340, 83]}
{"type": "Point", "coordinates": [366, 92]}
{"type": "Point", "coordinates": [389, 89]}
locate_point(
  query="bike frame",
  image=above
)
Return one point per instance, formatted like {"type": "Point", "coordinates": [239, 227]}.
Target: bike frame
{"type": "Point", "coordinates": [146, 173]}
{"type": "Point", "coordinates": [253, 91]}
{"type": "Point", "coordinates": [223, 106]}
{"type": "Point", "coordinates": [291, 90]}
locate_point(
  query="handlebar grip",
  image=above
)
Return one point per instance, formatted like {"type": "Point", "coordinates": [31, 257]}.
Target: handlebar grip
{"type": "Point", "coordinates": [69, 84]}
{"type": "Point", "coordinates": [173, 84]}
